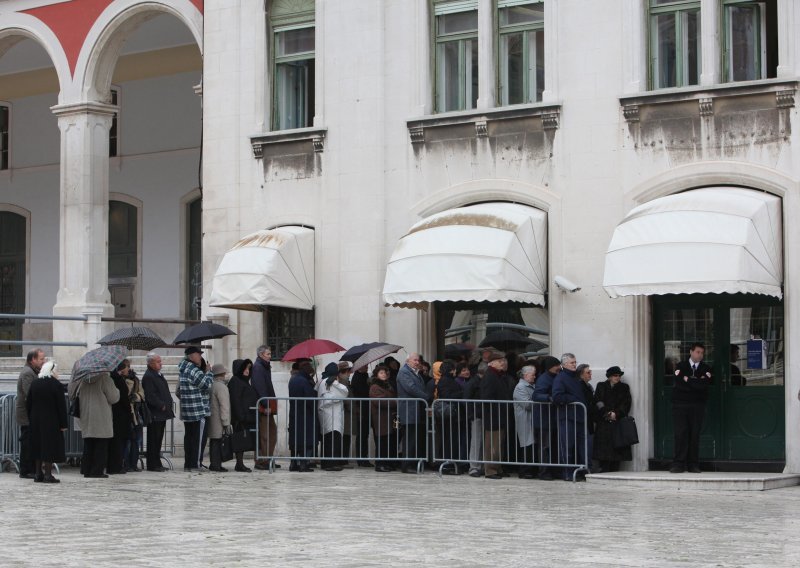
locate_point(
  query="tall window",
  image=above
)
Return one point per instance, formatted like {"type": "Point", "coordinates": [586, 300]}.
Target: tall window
{"type": "Point", "coordinates": [750, 47]}
{"type": "Point", "coordinates": [194, 258]}
{"type": "Point", "coordinates": [113, 140]}
{"type": "Point", "coordinates": [521, 25]}
{"type": "Point", "coordinates": [674, 43]}
{"type": "Point", "coordinates": [4, 115]}
{"type": "Point", "coordinates": [285, 327]}
{"type": "Point", "coordinates": [456, 35]}
{"type": "Point", "coordinates": [292, 25]}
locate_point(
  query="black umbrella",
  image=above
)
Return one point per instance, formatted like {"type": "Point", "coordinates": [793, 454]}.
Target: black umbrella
{"type": "Point", "coordinates": [354, 353]}
{"type": "Point", "coordinates": [201, 332]}
{"type": "Point", "coordinates": [456, 350]}
{"type": "Point", "coordinates": [142, 338]}
{"type": "Point", "coordinates": [506, 339]}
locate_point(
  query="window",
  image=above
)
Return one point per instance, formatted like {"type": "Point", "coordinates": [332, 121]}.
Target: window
{"type": "Point", "coordinates": [122, 240]}
{"type": "Point", "coordinates": [456, 53]}
{"type": "Point", "coordinates": [113, 142]}
{"type": "Point", "coordinates": [4, 116]}
{"type": "Point", "coordinates": [292, 24]}
{"type": "Point", "coordinates": [674, 43]}
{"type": "Point", "coordinates": [194, 258]}
{"type": "Point", "coordinates": [750, 46]}
{"type": "Point", "coordinates": [285, 327]}
{"type": "Point", "coordinates": [521, 27]}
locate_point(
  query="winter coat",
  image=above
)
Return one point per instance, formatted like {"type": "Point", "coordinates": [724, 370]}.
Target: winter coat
{"type": "Point", "coordinates": [543, 415]}
{"type": "Point", "coordinates": [195, 388]}
{"type": "Point", "coordinates": [410, 385]}
{"type": "Point", "coordinates": [220, 409]}
{"type": "Point", "coordinates": [383, 407]}
{"type": "Point", "coordinates": [523, 412]}
{"type": "Point", "coordinates": [136, 396]}
{"type": "Point", "coordinates": [243, 399]}
{"type": "Point", "coordinates": [302, 413]}
{"type": "Point", "coordinates": [157, 396]}
{"type": "Point", "coordinates": [96, 395]}
{"type": "Point", "coordinates": [567, 388]}
{"type": "Point", "coordinates": [493, 387]}
{"type": "Point", "coordinates": [607, 399]}
{"type": "Point", "coordinates": [694, 390]}
{"type": "Point", "coordinates": [261, 379]}
{"type": "Point", "coordinates": [472, 391]}
{"type": "Point", "coordinates": [330, 406]}
{"type": "Point", "coordinates": [46, 407]}
{"type": "Point", "coordinates": [121, 410]}
{"type": "Point", "coordinates": [26, 378]}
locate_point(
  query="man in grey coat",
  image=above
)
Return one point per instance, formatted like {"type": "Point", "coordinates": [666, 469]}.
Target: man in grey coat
{"type": "Point", "coordinates": [30, 371]}
{"type": "Point", "coordinates": [410, 413]}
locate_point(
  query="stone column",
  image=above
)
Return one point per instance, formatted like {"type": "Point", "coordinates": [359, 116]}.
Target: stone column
{"type": "Point", "coordinates": [83, 242]}
{"type": "Point", "coordinates": [487, 72]}
{"type": "Point", "coordinates": [710, 73]}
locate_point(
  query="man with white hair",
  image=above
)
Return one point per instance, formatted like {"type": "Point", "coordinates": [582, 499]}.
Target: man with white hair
{"type": "Point", "coordinates": [410, 413]}
{"type": "Point", "coordinates": [159, 401]}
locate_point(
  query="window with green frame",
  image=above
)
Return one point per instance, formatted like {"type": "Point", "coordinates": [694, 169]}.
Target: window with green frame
{"type": "Point", "coordinates": [456, 54]}
{"type": "Point", "coordinates": [292, 24]}
{"type": "Point", "coordinates": [750, 47]}
{"type": "Point", "coordinates": [521, 51]}
{"type": "Point", "coordinates": [4, 114]}
{"type": "Point", "coordinates": [675, 51]}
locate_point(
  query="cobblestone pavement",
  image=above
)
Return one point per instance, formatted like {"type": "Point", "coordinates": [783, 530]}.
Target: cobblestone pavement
{"type": "Point", "coordinates": [362, 518]}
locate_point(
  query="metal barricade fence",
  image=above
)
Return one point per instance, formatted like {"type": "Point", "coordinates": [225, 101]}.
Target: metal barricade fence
{"type": "Point", "coordinates": [524, 434]}
{"type": "Point", "coordinates": [334, 429]}
{"type": "Point", "coordinates": [9, 432]}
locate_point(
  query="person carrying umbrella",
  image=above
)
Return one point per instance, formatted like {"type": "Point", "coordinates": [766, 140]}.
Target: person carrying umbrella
{"type": "Point", "coordinates": [195, 380]}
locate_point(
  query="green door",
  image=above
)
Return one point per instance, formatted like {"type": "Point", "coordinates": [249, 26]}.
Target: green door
{"type": "Point", "coordinates": [745, 412]}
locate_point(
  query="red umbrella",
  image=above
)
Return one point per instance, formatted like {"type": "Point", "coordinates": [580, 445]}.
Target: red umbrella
{"type": "Point", "coordinates": [310, 348]}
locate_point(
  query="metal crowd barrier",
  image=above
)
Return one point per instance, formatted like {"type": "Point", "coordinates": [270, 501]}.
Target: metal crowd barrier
{"type": "Point", "coordinates": [555, 437]}
{"type": "Point", "coordinates": [334, 430]}
{"type": "Point", "coordinates": [9, 433]}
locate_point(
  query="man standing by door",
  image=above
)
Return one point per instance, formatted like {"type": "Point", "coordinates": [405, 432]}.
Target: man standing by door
{"type": "Point", "coordinates": [689, 396]}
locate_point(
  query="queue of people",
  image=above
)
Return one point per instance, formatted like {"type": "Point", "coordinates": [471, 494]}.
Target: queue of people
{"type": "Point", "coordinates": [489, 417]}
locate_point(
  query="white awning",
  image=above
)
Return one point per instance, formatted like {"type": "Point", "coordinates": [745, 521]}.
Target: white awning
{"type": "Point", "coordinates": [267, 268]}
{"type": "Point", "coordinates": [712, 240]}
{"type": "Point", "coordinates": [492, 252]}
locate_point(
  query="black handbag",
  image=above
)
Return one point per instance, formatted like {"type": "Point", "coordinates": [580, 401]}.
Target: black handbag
{"type": "Point", "coordinates": [226, 448]}
{"type": "Point", "coordinates": [144, 413]}
{"type": "Point", "coordinates": [75, 407]}
{"type": "Point", "coordinates": [243, 441]}
{"type": "Point", "coordinates": [625, 433]}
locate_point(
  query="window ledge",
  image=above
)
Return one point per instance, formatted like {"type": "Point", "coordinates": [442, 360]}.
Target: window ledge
{"type": "Point", "coordinates": [784, 95]}
{"type": "Point", "coordinates": [314, 135]}
{"type": "Point", "coordinates": [549, 113]}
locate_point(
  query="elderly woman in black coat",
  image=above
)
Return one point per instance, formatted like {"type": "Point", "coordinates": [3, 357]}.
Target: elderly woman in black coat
{"type": "Point", "coordinates": [612, 399]}
{"type": "Point", "coordinates": [244, 399]}
{"type": "Point", "coordinates": [47, 409]}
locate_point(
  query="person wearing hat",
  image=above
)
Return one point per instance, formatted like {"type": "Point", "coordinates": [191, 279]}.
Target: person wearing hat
{"type": "Point", "coordinates": [220, 421]}
{"type": "Point", "coordinates": [612, 398]}
{"type": "Point", "coordinates": [194, 383]}
{"type": "Point", "coordinates": [495, 416]}
{"type": "Point", "coordinates": [544, 419]}
{"type": "Point", "coordinates": [331, 416]}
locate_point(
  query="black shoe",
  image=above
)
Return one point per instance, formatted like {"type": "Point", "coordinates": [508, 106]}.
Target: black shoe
{"type": "Point", "coordinates": [383, 469]}
{"type": "Point", "coordinates": [494, 476]}
{"type": "Point", "coordinates": [219, 469]}
{"type": "Point", "coordinates": [277, 466]}
{"type": "Point", "coordinates": [243, 468]}
{"type": "Point", "coordinates": [37, 478]}
{"type": "Point", "coordinates": [676, 469]}
{"type": "Point", "coordinates": [27, 476]}
{"type": "Point", "coordinates": [96, 475]}
{"type": "Point", "coordinates": [159, 468]}
{"type": "Point", "coordinates": [262, 466]}
{"type": "Point", "coordinates": [527, 476]}
{"type": "Point", "coordinates": [121, 472]}
{"type": "Point", "coordinates": [306, 470]}
{"type": "Point", "coordinates": [50, 479]}
{"type": "Point", "coordinates": [475, 473]}
{"type": "Point", "coordinates": [363, 463]}
{"type": "Point", "coordinates": [695, 469]}
{"type": "Point", "coordinates": [333, 468]}
{"type": "Point", "coordinates": [190, 469]}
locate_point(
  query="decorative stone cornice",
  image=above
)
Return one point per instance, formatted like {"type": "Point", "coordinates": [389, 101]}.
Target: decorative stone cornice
{"type": "Point", "coordinates": [785, 98]}
{"type": "Point", "coordinates": [631, 113]}
{"type": "Point", "coordinates": [550, 120]}
{"type": "Point", "coordinates": [706, 106]}
{"type": "Point", "coordinates": [316, 136]}
{"type": "Point", "coordinates": [417, 134]}
{"type": "Point", "coordinates": [481, 129]}
{"type": "Point", "coordinates": [84, 108]}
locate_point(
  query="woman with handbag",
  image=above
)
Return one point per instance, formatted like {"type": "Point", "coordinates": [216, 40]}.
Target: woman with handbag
{"type": "Point", "coordinates": [612, 398]}
{"type": "Point", "coordinates": [243, 398]}
{"type": "Point", "coordinates": [220, 419]}
{"type": "Point", "coordinates": [383, 411]}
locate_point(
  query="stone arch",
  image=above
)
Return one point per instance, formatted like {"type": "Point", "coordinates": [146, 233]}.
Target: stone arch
{"type": "Point", "coordinates": [15, 26]}
{"type": "Point", "coordinates": [101, 49]}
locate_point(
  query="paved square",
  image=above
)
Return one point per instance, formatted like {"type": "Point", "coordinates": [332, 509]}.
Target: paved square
{"type": "Point", "coordinates": [361, 518]}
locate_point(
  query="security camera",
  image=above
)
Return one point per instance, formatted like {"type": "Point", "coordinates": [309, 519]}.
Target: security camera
{"type": "Point", "coordinates": [566, 285]}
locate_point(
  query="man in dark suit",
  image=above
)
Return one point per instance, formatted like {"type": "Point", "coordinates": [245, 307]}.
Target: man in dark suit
{"type": "Point", "coordinates": [689, 396]}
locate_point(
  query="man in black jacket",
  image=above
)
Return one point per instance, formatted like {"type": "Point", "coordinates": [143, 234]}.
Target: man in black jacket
{"type": "Point", "coordinates": [689, 396]}
{"type": "Point", "coordinates": [495, 415]}
{"type": "Point", "coordinates": [159, 401]}
{"type": "Point", "coordinates": [267, 427]}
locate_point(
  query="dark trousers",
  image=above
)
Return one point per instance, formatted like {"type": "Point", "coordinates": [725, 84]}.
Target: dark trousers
{"type": "Point", "coordinates": [571, 444]}
{"type": "Point", "coordinates": [203, 440]}
{"type": "Point", "coordinates": [95, 455]}
{"type": "Point", "coordinates": [331, 448]}
{"type": "Point", "coordinates": [527, 455]}
{"type": "Point", "coordinates": [132, 448]}
{"type": "Point", "coordinates": [687, 420]}
{"type": "Point", "coordinates": [345, 453]}
{"type": "Point", "coordinates": [116, 449]}
{"type": "Point", "coordinates": [191, 444]}
{"type": "Point", "coordinates": [26, 464]}
{"type": "Point", "coordinates": [362, 440]}
{"type": "Point", "coordinates": [413, 445]}
{"type": "Point", "coordinates": [215, 453]}
{"type": "Point", "coordinates": [155, 437]}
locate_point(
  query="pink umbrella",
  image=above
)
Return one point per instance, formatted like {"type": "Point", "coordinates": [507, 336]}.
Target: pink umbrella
{"type": "Point", "coordinates": [310, 348]}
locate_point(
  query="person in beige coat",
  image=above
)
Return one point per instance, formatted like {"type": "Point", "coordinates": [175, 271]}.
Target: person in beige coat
{"type": "Point", "coordinates": [96, 395]}
{"type": "Point", "coordinates": [220, 421]}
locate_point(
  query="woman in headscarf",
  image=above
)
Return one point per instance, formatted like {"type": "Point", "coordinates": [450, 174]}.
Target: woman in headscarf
{"type": "Point", "coordinates": [243, 398]}
{"type": "Point", "coordinates": [47, 410]}
{"type": "Point", "coordinates": [331, 416]}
